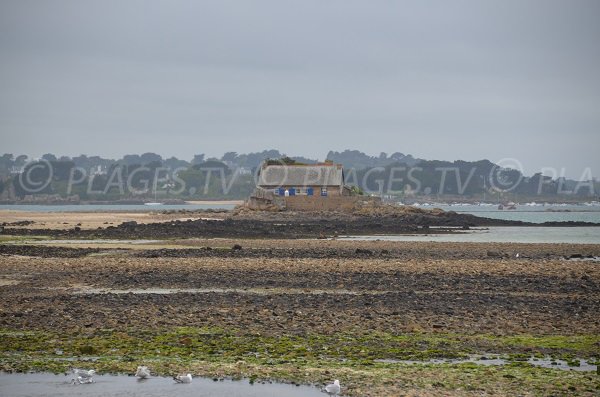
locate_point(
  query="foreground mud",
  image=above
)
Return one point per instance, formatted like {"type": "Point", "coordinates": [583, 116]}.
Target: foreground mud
{"type": "Point", "coordinates": [298, 249]}
{"type": "Point", "coordinates": [381, 295]}
{"type": "Point", "coordinates": [309, 311]}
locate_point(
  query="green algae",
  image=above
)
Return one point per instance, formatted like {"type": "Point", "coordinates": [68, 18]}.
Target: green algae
{"type": "Point", "coordinates": [311, 358]}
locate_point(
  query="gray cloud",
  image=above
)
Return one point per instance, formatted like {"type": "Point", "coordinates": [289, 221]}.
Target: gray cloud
{"type": "Point", "coordinates": [439, 79]}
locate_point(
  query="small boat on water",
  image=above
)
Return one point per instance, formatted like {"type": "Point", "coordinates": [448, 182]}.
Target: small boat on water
{"type": "Point", "coordinates": [509, 206]}
{"type": "Point", "coordinates": [154, 202]}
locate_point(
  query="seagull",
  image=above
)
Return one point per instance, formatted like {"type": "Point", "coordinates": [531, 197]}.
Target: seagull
{"type": "Point", "coordinates": [83, 376]}
{"type": "Point", "coordinates": [183, 378]}
{"type": "Point", "coordinates": [142, 372]}
{"type": "Point", "coordinates": [334, 388]}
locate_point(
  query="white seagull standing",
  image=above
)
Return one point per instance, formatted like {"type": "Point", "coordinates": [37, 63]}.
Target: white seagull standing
{"type": "Point", "coordinates": [83, 376]}
{"type": "Point", "coordinates": [183, 378]}
{"type": "Point", "coordinates": [142, 372]}
{"type": "Point", "coordinates": [334, 388]}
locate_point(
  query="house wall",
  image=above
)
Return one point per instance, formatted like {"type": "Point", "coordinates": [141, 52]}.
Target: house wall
{"type": "Point", "coordinates": [319, 203]}
{"type": "Point", "coordinates": [262, 199]}
{"type": "Point", "coordinates": [331, 190]}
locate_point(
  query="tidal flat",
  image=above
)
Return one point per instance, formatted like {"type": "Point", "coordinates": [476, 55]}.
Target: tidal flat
{"type": "Point", "coordinates": [386, 318]}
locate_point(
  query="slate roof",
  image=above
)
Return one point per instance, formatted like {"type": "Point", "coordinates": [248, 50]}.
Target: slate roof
{"type": "Point", "coordinates": [301, 175]}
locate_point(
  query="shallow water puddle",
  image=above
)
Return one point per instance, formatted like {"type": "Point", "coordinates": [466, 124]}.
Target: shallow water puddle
{"type": "Point", "coordinates": [85, 290]}
{"type": "Point", "coordinates": [44, 384]}
{"type": "Point", "coordinates": [79, 289]}
{"type": "Point", "coordinates": [92, 241]}
{"type": "Point", "coordinates": [584, 259]}
{"type": "Point", "coordinates": [494, 360]}
{"type": "Point", "coordinates": [4, 282]}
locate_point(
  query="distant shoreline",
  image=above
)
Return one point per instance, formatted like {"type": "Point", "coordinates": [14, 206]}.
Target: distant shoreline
{"type": "Point", "coordinates": [165, 202]}
{"type": "Point", "coordinates": [209, 202]}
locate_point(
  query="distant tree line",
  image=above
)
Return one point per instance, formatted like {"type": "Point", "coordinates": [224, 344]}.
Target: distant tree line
{"type": "Point", "coordinates": [233, 176]}
{"type": "Point", "coordinates": [133, 176]}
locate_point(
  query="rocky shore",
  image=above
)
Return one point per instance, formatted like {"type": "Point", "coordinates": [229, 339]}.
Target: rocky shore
{"type": "Point", "coordinates": [307, 310]}
{"type": "Point", "coordinates": [262, 296]}
{"type": "Point", "coordinates": [333, 295]}
{"type": "Point", "coordinates": [311, 249]}
{"type": "Point", "coordinates": [254, 224]}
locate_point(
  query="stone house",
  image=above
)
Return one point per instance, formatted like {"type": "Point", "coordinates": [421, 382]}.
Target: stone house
{"type": "Point", "coordinates": [319, 180]}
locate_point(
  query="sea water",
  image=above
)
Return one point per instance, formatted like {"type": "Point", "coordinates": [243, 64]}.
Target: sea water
{"type": "Point", "coordinates": [501, 234]}
{"type": "Point", "coordinates": [49, 385]}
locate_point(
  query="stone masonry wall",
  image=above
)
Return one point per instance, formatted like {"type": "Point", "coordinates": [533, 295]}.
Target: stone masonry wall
{"type": "Point", "coordinates": [320, 203]}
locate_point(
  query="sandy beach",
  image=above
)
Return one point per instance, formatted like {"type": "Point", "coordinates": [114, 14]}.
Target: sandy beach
{"type": "Point", "coordinates": [87, 220]}
{"type": "Point", "coordinates": [212, 202]}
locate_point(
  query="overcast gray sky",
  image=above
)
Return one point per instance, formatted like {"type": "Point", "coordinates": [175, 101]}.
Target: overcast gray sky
{"type": "Point", "coordinates": [437, 79]}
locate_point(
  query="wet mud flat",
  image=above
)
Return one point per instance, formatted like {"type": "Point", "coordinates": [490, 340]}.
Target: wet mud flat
{"type": "Point", "coordinates": [488, 295]}
{"type": "Point", "coordinates": [311, 311]}
{"type": "Point", "coordinates": [299, 249]}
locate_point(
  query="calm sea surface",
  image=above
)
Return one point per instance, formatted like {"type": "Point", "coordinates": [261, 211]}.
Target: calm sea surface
{"type": "Point", "coordinates": [502, 234]}
{"type": "Point", "coordinates": [529, 213]}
